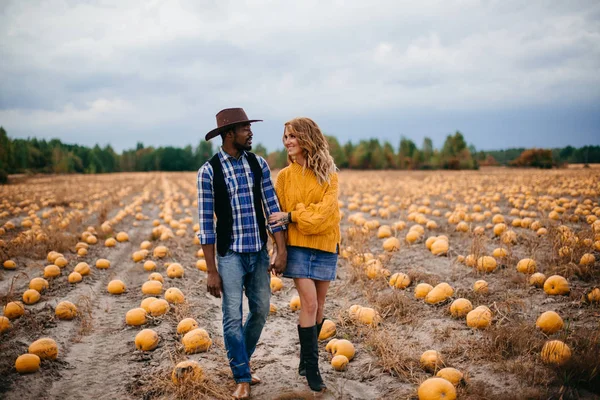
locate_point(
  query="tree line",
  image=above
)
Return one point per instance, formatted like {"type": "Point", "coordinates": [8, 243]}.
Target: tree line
{"type": "Point", "coordinates": [53, 156]}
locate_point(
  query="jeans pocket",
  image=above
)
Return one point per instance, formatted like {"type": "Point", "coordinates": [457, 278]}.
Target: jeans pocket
{"type": "Point", "coordinates": [228, 255]}
{"type": "Point", "coordinates": [264, 254]}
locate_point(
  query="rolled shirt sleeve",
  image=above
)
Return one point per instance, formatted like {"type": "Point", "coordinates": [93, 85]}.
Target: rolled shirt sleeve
{"type": "Point", "coordinates": [269, 198]}
{"type": "Point", "coordinates": [206, 233]}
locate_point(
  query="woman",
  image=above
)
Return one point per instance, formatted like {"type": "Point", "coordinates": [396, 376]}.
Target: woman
{"type": "Point", "coordinates": [308, 194]}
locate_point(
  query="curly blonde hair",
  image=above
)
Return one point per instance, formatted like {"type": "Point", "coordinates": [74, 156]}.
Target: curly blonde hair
{"type": "Point", "coordinates": [314, 146]}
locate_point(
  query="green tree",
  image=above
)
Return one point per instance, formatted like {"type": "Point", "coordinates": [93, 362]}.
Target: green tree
{"type": "Point", "coordinates": [454, 145]}
{"type": "Point", "coordinates": [389, 156]}
{"type": "Point", "coordinates": [472, 149]}
{"type": "Point", "coordinates": [64, 161]}
{"type": "Point", "coordinates": [455, 154]}
{"type": "Point", "coordinates": [147, 160]}
{"type": "Point", "coordinates": [348, 151]}
{"type": "Point", "coordinates": [175, 159]}
{"type": "Point", "coordinates": [360, 157]}
{"type": "Point", "coordinates": [405, 153]}
{"type": "Point", "coordinates": [377, 159]}
{"type": "Point", "coordinates": [6, 152]}
{"type": "Point", "coordinates": [20, 150]}
{"type": "Point", "coordinates": [203, 153]}
{"type": "Point", "coordinates": [40, 156]}
{"type": "Point", "coordinates": [417, 159]}
{"type": "Point", "coordinates": [260, 150]}
{"type": "Point", "coordinates": [427, 150]}
{"type": "Point", "coordinates": [368, 154]}
{"type": "Point", "coordinates": [110, 159]}
{"type": "Point", "coordinates": [277, 159]}
{"type": "Point", "coordinates": [128, 161]}
{"type": "Point", "coordinates": [337, 152]}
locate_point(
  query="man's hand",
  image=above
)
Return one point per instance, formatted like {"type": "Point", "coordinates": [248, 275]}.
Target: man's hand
{"type": "Point", "coordinates": [214, 285]}
{"type": "Point", "coordinates": [272, 259]}
{"type": "Point", "coordinates": [279, 263]}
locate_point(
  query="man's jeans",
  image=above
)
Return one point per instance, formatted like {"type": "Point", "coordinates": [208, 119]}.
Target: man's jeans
{"type": "Point", "coordinates": [239, 272]}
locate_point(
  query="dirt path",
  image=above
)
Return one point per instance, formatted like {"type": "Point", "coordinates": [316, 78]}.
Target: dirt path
{"type": "Point", "coordinates": [94, 356]}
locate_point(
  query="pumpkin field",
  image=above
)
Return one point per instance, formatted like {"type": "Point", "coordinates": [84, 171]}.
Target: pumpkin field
{"type": "Point", "coordinates": [450, 284]}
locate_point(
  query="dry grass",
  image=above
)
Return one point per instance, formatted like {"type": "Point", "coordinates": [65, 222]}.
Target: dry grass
{"type": "Point", "coordinates": [517, 280]}
{"type": "Point", "coordinates": [420, 276]}
{"type": "Point", "coordinates": [529, 371]}
{"type": "Point", "coordinates": [567, 266]}
{"type": "Point", "coordinates": [502, 342]}
{"type": "Point", "coordinates": [162, 387]}
{"type": "Point", "coordinates": [180, 311]}
{"type": "Point", "coordinates": [481, 391]}
{"type": "Point", "coordinates": [358, 240]}
{"type": "Point", "coordinates": [28, 246]}
{"type": "Point", "coordinates": [10, 294]}
{"type": "Point", "coordinates": [393, 304]}
{"type": "Point", "coordinates": [393, 356]}
{"type": "Point", "coordinates": [31, 322]}
{"type": "Point", "coordinates": [356, 274]}
{"type": "Point", "coordinates": [568, 270]}
{"type": "Point", "coordinates": [478, 246]}
{"type": "Point", "coordinates": [159, 385]}
{"type": "Point", "coordinates": [582, 371]}
{"type": "Point", "coordinates": [508, 310]}
{"type": "Point", "coordinates": [102, 214]}
{"type": "Point", "coordinates": [85, 318]}
{"type": "Point", "coordinates": [534, 246]}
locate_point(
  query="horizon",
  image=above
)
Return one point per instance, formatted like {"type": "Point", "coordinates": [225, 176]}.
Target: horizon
{"type": "Point", "coordinates": [217, 144]}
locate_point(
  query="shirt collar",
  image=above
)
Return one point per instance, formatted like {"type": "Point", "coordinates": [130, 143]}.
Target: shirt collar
{"type": "Point", "coordinates": [224, 155]}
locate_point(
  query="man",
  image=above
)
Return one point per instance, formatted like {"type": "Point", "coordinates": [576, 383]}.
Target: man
{"type": "Point", "coordinates": [236, 186]}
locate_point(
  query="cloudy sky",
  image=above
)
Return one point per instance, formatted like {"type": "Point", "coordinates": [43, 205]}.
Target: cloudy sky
{"type": "Point", "coordinates": [505, 73]}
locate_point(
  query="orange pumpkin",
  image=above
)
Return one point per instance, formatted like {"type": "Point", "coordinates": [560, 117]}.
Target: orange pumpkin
{"type": "Point", "coordinates": [460, 307]}
{"type": "Point", "coordinates": [549, 322]}
{"type": "Point", "coordinates": [555, 352]}
{"type": "Point", "coordinates": [186, 371]}
{"type": "Point", "coordinates": [556, 285]}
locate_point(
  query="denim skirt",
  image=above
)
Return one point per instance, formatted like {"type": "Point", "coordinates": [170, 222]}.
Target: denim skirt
{"type": "Point", "coordinates": [303, 262]}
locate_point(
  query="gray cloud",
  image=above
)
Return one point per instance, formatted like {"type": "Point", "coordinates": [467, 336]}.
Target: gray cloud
{"type": "Point", "coordinates": [130, 71]}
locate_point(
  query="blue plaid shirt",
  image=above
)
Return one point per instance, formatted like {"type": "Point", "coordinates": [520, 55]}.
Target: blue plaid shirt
{"type": "Point", "coordinates": [239, 181]}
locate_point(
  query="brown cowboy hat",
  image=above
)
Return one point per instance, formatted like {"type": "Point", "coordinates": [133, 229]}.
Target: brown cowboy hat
{"type": "Point", "coordinates": [227, 118]}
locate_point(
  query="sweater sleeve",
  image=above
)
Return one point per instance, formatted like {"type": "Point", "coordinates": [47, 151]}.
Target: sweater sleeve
{"type": "Point", "coordinates": [280, 190]}
{"type": "Point", "coordinates": [317, 218]}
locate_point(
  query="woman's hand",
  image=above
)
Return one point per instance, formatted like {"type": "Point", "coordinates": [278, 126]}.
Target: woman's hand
{"type": "Point", "coordinates": [278, 219]}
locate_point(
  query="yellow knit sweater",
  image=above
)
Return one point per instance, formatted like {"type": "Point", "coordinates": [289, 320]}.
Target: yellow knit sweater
{"type": "Point", "coordinates": [314, 207]}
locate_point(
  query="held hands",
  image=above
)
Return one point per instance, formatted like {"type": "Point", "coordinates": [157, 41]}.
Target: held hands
{"type": "Point", "coordinates": [278, 219]}
{"type": "Point", "coordinates": [214, 284]}
{"type": "Point", "coordinates": [278, 262]}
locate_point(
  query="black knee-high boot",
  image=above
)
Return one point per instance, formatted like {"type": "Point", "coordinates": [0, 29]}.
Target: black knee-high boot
{"type": "Point", "coordinates": [309, 351]}
{"type": "Point", "coordinates": [301, 366]}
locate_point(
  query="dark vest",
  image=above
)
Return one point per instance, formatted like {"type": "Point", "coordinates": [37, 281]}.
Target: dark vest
{"type": "Point", "coordinates": [222, 202]}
